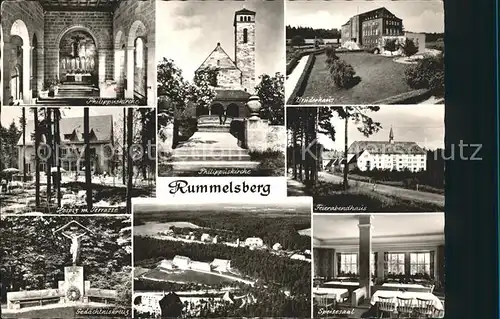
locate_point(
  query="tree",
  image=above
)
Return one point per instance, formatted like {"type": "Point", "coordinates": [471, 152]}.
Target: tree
{"type": "Point", "coordinates": [428, 73]}
{"type": "Point", "coordinates": [272, 96]}
{"type": "Point", "coordinates": [123, 146]}
{"type": "Point", "coordinates": [409, 48]}
{"type": "Point", "coordinates": [330, 55]}
{"type": "Point", "coordinates": [366, 126]}
{"type": "Point", "coordinates": [298, 41]}
{"type": "Point", "coordinates": [48, 144]}
{"type": "Point", "coordinates": [130, 171]}
{"type": "Point", "coordinates": [57, 145]}
{"type": "Point", "coordinates": [23, 124]}
{"type": "Point", "coordinates": [86, 140]}
{"type": "Point", "coordinates": [390, 45]}
{"type": "Point", "coordinates": [37, 158]}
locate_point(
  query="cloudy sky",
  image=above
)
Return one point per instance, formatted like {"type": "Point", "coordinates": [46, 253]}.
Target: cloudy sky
{"type": "Point", "coordinates": [188, 31]}
{"type": "Point", "coordinates": [423, 124]}
{"type": "Point", "coordinates": [418, 16]}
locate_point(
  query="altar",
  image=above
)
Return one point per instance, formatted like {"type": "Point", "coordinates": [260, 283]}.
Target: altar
{"type": "Point", "coordinates": [78, 77]}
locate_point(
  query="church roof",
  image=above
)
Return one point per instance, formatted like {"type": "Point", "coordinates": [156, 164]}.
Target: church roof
{"type": "Point", "coordinates": [230, 95]}
{"type": "Point", "coordinates": [71, 130]}
{"type": "Point", "coordinates": [386, 147]}
{"type": "Point", "coordinates": [245, 11]}
{"type": "Point", "coordinates": [218, 54]}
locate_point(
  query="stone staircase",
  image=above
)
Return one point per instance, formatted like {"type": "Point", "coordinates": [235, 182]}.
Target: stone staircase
{"type": "Point", "coordinates": [70, 94]}
{"type": "Point", "coordinates": [211, 147]}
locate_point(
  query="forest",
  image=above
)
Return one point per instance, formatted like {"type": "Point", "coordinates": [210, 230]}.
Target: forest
{"type": "Point", "coordinates": [33, 257]}
{"type": "Point", "coordinates": [291, 274]}
{"type": "Point", "coordinates": [279, 229]}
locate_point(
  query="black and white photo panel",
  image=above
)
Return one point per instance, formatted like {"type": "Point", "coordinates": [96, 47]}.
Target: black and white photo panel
{"type": "Point", "coordinates": [222, 259]}
{"type": "Point", "coordinates": [364, 52]}
{"type": "Point", "coordinates": [66, 266]}
{"type": "Point", "coordinates": [379, 265]}
{"type": "Point", "coordinates": [354, 159]}
{"type": "Point", "coordinates": [76, 160]}
{"type": "Point", "coordinates": [221, 93]}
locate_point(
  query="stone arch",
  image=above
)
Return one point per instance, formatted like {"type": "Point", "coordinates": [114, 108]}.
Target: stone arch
{"type": "Point", "coordinates": [216, 109]}
{"type": "Point", "coordinates": [20, 29]}
{"type": "Point", "coordinates": [233, 110]}
{"type": "Point", "coordinates": [137, 29]}
{"type": "Point", "coordinates": [120, 62]}
{"type": "Point", "coordinates": [137, 72]}
{"type": "Point", "coordinates": [91, 32]}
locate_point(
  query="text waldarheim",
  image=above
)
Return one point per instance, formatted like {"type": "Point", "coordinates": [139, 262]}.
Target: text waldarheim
{"type": "Point", "coordinates": [184, 187]}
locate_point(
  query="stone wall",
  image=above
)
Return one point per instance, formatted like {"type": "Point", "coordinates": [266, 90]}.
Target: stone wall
{"type": "Point", "coordinates": [229, 78]}
{"type": "Point", "coordinates": [98, 24]}
{"type": "Point", "coordinates": [31, 14]}
{"type": "Point", "coordinates": [276, 138]}
{"type": "Point", "coordinates": [245, 53]}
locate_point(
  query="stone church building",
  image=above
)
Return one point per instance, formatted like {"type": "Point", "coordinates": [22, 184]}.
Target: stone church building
{"type": "Point", "coordinates": [77, 50]}
{"type": "Point", "coordinates": [236, 77]}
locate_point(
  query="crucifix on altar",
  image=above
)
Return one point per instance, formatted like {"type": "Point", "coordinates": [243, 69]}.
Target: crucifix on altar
{"type": "Point", "coordinates": [76, 45]}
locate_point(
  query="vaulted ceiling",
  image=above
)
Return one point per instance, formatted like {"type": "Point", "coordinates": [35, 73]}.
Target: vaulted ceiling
{"type": "Point", "coordinates": [79, 5]}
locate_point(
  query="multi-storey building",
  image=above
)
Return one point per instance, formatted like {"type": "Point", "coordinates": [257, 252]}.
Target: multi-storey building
{"type": "Point", "coordinates": [368, 28]}
{"type": "Point", "coordinates": [390, 155]}
{"type": "Point", "coordinates": [71, 149]}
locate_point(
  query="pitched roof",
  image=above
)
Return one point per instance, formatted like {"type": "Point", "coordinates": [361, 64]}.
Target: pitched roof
{"type": "Point", "coordinates": [245, 11]}
{"type": "Point", "coordinates": [71, 129]}
{"type": "Point", "coordinates": [224, 58]}
{"type": "Point", "coordinates": [385, 147]}
{"type": "Point", "coordinates": [382, 10]}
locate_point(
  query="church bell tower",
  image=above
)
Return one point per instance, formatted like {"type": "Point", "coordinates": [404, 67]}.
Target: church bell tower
{"type": "Point", "coordinates": [244, 47]}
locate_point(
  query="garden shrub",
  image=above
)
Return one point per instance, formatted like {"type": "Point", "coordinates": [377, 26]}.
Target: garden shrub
{"type": "Point", "coordinates": [330, 55]}
{"type": "Point", "coordinates": [343, 74]}
{"type": "Point", "coordinates": [428, 73]}
{"type": "Point", "coordinates": [409, 48]}
{"type": "Point", "coordinates": [272, 163]}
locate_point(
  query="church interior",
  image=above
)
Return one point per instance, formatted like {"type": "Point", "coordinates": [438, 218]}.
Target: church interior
{"type": "Point", "coordinates": [59, 52]}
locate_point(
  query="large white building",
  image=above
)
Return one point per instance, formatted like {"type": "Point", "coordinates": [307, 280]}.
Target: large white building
{"type": "Point", "coordinates": [390, 155]}
{"type": "Point", "coordinates": [182, 262]}
{"type": "Point", "coordinates": [254, 242]}
{"type": "Point", "coordinates": [200, 266]}
{"type": "Point", "coordinates": [221, 264]}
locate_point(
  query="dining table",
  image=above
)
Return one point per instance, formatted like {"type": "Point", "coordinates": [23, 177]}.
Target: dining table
{"type": "Point", "coordinates": [338, 294]}
{"type": "Point", "coordinates": [438, 305]}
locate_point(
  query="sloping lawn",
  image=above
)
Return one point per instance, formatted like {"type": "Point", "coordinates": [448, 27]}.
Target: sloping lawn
{"type": "Point", "coordinates": [381, 78]}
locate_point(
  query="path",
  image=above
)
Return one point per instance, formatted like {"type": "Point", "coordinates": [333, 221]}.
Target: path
{"type": "Point", "coordinates": [293, 78]}
{"type": "Point", "coordinates": [403, 193]}
{"type": "Point", "coordinates": [295, 188]}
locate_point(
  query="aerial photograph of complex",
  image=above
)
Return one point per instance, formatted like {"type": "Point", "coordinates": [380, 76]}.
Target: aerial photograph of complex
{"type": "Point", "coordinates": [222, 260]}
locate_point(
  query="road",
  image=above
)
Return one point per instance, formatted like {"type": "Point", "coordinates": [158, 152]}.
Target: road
{"type": "Point", "coordinates": [403, 193]}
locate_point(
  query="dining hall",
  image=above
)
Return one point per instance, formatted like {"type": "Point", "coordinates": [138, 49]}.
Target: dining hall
{"type": "Point", "coordinates": [379, 266]}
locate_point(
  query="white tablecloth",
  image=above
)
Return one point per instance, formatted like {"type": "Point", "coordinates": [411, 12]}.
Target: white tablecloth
{"type": "Point", "coordinates": [408, 294]}
{"type": "Point", "coordinates": [344, 283]}
{"type": "Point", "coordinates": [332, 293]}
{"type": "Point", "coordinates": [402, 286]}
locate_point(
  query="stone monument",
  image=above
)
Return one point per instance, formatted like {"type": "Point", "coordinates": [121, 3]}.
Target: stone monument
{"type": "Point", "coordinates": [256, 128]}
{"type": "Point", "coordinates": [74, 285]}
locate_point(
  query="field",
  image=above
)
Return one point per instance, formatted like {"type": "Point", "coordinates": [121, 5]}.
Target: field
{"type": "Point", "coordinates": [380, 78]}
{"type": "Point", "coordinates": [152, 228]}
{"type": "Point", "coordinates": [187, 276]}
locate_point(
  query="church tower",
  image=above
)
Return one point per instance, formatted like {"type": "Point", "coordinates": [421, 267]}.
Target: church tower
{"type": "Point", "coordinates": [391, 136]}
{"type": "Point", "coordinates": [244, 47]}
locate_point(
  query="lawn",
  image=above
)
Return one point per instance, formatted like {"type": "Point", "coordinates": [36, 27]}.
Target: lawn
{"type": "Point", "coordinates": [381, 78]}
{"type": "Point", "coordinates": [187, 276]}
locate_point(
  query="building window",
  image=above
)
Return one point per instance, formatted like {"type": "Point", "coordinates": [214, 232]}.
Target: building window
{"type": "Point", "coordinates": [218, 62]}
{"type": "Point", "coordinates": [241, 19]}
{"type": "Point", "coordinates": [63, 151]}
{"type": "Point", "coordinates": [348, 263]}
{"type": "Point", "coordinates": [245, 35]}
{"type": "Point", "coordinates": [396, 263]}
{"type": "Point", "coordinates": [139, 53]}
{"type": "Point", "coordinates": [420, 263]}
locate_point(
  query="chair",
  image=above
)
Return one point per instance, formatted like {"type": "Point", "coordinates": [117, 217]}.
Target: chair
{"type": "Point", "coordinates": [322, 300]}
{"type": "Point", "coordinates": [385, 305]}
{"type": "Point", "coordinates": [424, 308]}
{"type": "Point", "coordinates": [405, 306]}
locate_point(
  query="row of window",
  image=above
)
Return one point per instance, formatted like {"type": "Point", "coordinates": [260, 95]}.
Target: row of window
{"type": "Point", "coordinates": [392, 31]}
{"type": "Point", "coordinates": [391, 22]}
{"type": "Point", "coordinates": [420, 263]}
{"type": "Point", "coordinates": [245, 19]}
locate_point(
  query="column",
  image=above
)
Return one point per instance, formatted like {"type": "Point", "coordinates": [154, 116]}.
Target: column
{"type": "Point", "coordinates": [26, 74]}
{"type": "Point", "coordinates": [256, 129]}
{"type": "Point", "coordinates": [151, 75]}
{"type": "Point", "coordinates": [365, 250]}
{"type": "Point", "coordinates": [40, 65]}
{"type": "Point", "coordinates": [6, 76]}
{"type": "Point", "coordinates": [101, 66]}
{"type": "Point", "coordinates": [129, 90]}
